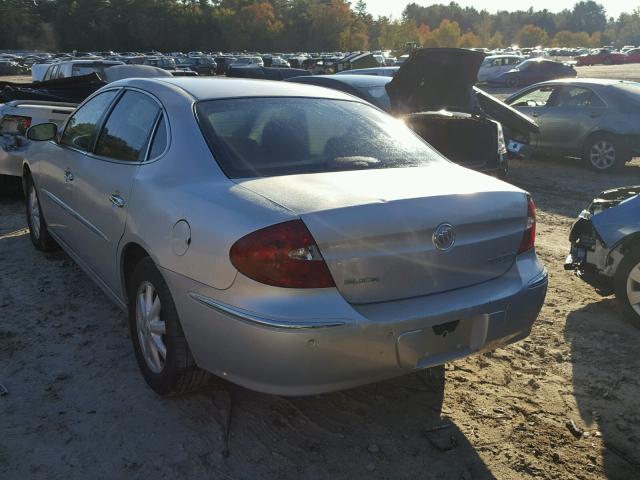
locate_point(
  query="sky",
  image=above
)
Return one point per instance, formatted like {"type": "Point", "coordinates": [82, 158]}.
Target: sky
{"type": "Point", "coordinates": [395, 7]}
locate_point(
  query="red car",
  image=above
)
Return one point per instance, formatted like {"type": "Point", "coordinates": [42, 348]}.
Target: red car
{"type": "Point", "coordinates": [601, 56]}
{"type": "Point", "coordinates": [633, 55]}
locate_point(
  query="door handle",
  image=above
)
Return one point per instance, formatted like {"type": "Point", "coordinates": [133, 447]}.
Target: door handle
{"type": "Point", "coordinates": [535, 114]}
{"type": "Point", "coordinates": [117, 200]}
{"type": "Point", "coordinates": [68, 176]}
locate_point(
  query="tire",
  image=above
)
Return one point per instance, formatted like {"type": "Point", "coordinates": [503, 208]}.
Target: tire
{"type": "Point", "coordinates": [177, 372]}
{"type": "Point", "coordinates": [513, 82]}
{"type": "Point", "coordinates": [38, 231]}
{"type": "Point", "coordinates": [627, 287]}
{"type": "Point", "coordinates": [603, 153]}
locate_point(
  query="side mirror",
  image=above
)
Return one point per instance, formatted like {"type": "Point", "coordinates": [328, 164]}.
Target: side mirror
{"type": "Point", "coordinates": [42, 132]}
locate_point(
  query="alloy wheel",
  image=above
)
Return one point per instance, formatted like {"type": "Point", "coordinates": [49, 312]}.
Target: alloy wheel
{"type": "Point", "coordinates": [633, 288]}
{"type": "Point", "coordinates": [151, 328]}
{"type": "Point", "coordinates": [34, 212]}
{"type": "Point", "coordinates": [602, 155]}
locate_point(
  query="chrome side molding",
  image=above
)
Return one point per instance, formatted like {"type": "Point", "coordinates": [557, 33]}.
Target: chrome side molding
{"type": "Point", "coordinates": [263, 320]}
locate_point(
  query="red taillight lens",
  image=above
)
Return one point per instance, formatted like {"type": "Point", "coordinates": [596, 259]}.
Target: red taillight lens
{"type": "Point", "coordinates": [529, 236]}
{"type": "Point", "coordinates": [283, 255]}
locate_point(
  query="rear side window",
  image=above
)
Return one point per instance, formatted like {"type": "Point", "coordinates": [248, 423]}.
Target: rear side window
{"type": "Point", "coordinates": [159, 142]}
{"type": "Point", "coordinates": [82, 127]}
{"type": "Point", "coordinates": [578, 97]}
{"type": "Point", "coordinates": [126, 133]}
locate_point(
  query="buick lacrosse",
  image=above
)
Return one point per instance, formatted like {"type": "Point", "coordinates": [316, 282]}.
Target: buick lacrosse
{"type": "Point", "coordinates": [289, 238]}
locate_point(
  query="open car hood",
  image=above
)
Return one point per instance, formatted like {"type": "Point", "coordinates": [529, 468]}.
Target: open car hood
{"type": "Point", "coordinates": [443, 79]}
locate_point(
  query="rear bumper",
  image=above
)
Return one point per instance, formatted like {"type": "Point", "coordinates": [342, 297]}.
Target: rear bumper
{"type": "Point", "coordinates": [342, 346]}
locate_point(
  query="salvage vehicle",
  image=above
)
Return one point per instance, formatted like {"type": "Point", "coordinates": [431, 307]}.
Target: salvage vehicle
{"type": "Point", "coordinates": [78, 68]}
{"type": "Point", "coordinates": [370, 88]}
{"type": "Point", "coordinates": [351, 253]}
{"type": "Point", "coordinates": [15, 118]}
{"type": "Point", "coordinates": [201, 65]}
{"type": "Point", "coordinates": [533, 71]}
{"type": "Point", "coordinates": [633, 55]}
{"type": "Point", "coordinates": [602, 56]}
{"type": "Point", "coordinates": [378, 71]}
{"type": "Point", "coordinates": [594, 119]}
{"type": "Point", "coordinates": [433, 93]}
{"type": "Point", "coordinates": [9, 67]}
{"type": "Point", "coordinates": [495, 65]}
{"type": "Point", "coordinates": [605, 247]}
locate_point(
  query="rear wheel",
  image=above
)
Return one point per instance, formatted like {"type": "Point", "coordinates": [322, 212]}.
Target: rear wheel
{"type": "Point", "coordinates": [604, 153]}
{"type": "Point", "coordinates": [513, 82]}
{"type": "Point", "coordinates": [159, 343]}
{"type": "Point", "coordinates": [38, 231]}
{"type": "Point", "coordinates": [627, 286]}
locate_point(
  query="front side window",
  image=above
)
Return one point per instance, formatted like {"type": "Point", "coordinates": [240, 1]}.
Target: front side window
{"type": "Point", "coordinates": [259, 137]}
{"type": "Point", "coordinates": [81, 129]}
{"type": "Point", "coordinates": [540, 97]}
{"type": "Point", "coordinates": [126, 133]}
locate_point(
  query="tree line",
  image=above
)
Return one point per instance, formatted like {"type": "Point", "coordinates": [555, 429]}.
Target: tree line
{"type": "Point", "coordinates": [296, 25]}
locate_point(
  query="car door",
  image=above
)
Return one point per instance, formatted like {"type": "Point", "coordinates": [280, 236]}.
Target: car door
{"type": "Point", "coordinates": [56, 173]}
{"type": "Point", "coordinates": [575, 113]}
{"type": "Point", "coordinates": [104, 180]}
{"type": "Point", "coordinates": [537, 103]}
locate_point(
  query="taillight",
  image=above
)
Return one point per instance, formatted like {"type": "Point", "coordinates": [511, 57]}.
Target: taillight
{"type": "Point", "coordinates": [529, 236]}
{"type": "Point", "coordinates": [282, 255]}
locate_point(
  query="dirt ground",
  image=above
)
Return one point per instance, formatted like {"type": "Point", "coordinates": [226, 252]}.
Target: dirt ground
{"type": "Point", "coordinates": [77, 406]}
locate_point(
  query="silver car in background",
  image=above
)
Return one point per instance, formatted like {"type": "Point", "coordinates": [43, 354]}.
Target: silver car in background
{"type": "Point", "coordinates": [593, 119]}
{"type": "Point", "coordinates": [292, 239]}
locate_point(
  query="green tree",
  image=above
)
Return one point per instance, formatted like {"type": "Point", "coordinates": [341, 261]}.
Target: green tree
{"type": "Point", "coordinates": [532, 36]}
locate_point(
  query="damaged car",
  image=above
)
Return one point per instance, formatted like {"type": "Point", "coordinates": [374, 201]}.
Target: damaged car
{"type": "Point", "coordinates": [434, 93]}
{"type": "Point", "coordinates": [605, 247]}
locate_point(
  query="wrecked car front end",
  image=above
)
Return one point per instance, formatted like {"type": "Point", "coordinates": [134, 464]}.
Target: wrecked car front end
{"type": "Point", "coordinates": [605, 234]}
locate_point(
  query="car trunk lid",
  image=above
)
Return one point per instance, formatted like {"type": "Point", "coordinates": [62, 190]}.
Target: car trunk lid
{"type": "Point", "coordinates": [376, 228]}
{"type": "Point", "coordinates": [443, 79]}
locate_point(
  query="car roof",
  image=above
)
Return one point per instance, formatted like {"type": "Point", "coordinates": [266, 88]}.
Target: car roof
{"type": "Point", "coordinates": [506, 55]}
{"type": "Point", "coordinates": [584, 81]}
{"type": "Point", "coordinates": [352, 80]}
{"type": "Point", "coordinates": [223, 87]}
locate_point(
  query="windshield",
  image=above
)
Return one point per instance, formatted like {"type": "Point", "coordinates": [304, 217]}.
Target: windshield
{"type": "Point", "coordinates": [260, 137]}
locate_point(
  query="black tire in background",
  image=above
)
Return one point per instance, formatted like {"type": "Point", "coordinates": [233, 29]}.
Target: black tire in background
{"type": "Point", "coordinates": [179, 372]}
{"type": "Point", "coordinates": [513, 82]}
{"type": "Point", "coordinates": [38, 231]}
{"type": "Point", "coordinates": [630, 262]}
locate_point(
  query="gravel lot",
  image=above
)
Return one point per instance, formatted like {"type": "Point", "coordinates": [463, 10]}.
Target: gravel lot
{"type": "Point", "coordinates": [78, 408]}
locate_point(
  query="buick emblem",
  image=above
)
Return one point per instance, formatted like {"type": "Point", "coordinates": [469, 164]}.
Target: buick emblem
{"type": "Point", "coordinates": [444, 237]}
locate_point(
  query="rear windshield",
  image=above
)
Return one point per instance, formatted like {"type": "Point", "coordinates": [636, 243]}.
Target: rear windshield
{"type": "Point", "coordinates": [259, 137]}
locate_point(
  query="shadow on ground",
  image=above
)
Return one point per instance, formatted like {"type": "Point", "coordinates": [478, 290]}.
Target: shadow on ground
{"type": "Point", "coordinates": [375, 431]}
{"type": "Point", "coordinates": [606, 363]}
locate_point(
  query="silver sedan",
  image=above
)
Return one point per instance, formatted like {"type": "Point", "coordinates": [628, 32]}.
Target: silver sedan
{"type": "Point", "coordinates": [291, 239]}
{"type": "Point", "coordinates": [593, 119]}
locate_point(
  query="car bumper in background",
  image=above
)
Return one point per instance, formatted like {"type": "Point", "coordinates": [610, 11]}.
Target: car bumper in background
{"type": "Point", "coordinates": [332, 345]}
